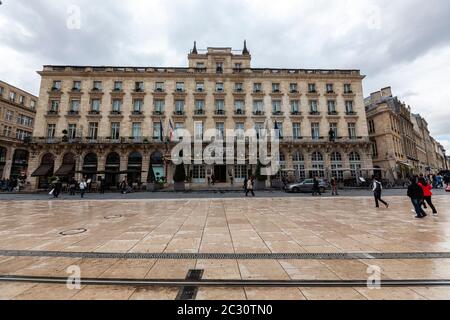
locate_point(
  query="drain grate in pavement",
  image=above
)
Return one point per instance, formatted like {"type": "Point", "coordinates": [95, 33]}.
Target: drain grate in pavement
{"type": "Point", "coordinates": [73, 232]}
{"type": "Point", "coordinates": [189, 293]}
{"type": "Point", "coordinates": [228, 256]}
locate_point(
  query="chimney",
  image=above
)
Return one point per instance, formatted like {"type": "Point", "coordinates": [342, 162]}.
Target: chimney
{"type": "Point", "coordinates": [375, 97]}
{"type": "Point", "coordinates": [386, 92]}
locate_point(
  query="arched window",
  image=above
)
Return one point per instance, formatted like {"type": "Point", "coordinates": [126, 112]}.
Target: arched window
{"type": "Point", "coordinates": [157, 171]}
{"type": "Point", "coordinates": [299, 166]}
{"type": "Point", "coordinates": [134, 167]}
{"type": "Point", "coordinates": [69, 158]}
{"type": "Point", "coordinates": [336, 166]}
{"type": "Point", "coordinates": [355, 164]}
{"type": "Point", "coordinates": [318, 166]}
{"type": "Point", "coordinates": [112, 170]}
{"type": "Point", "coordinates": [90, 165]}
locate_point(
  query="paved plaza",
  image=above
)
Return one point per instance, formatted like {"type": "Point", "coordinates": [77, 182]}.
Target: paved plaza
{"type": "Point", "coordinates": [266, 225]}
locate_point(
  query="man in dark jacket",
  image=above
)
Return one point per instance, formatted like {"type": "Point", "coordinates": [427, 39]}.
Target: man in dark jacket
{"type": "Point", "coordinates": [415, 193]}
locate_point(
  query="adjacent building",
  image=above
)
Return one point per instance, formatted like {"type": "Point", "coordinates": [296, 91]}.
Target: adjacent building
{"type": "Point", "coordinates": [17, 114]}
{"type": "Point", "coordinates": [113, 121]}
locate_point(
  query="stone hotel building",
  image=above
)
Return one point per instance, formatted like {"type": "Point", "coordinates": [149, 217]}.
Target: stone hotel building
{"type": "Point", "coordinates": [113, 121]}
{"type": "Point", "coordinates": [17, 113]}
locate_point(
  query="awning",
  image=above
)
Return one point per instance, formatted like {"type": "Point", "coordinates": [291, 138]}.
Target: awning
{"type": "Point", "coordinates": [43, 170]}
{"type": "Point", "coordinates": [65, 170]}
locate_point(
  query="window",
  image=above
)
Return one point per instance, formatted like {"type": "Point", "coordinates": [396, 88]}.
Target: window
{"type": "Point", "coordinates": [371, 126]}
{"type": "Point", "coordinates": [240, 130]}
{"type": "Point", "coordinates": [355, 164]}
{"type": "Point", "coordinates": [54, 106]}
{"type": "Point", "coordinates": [22, 135]}
{"type": "Point", "coordinates": [72, 131]}
{"type": "Point", "coordinates": [313, 106]}
{"type": "Point", "coordinates": [312, 88]}
{"type": "Point", "coordinates": [331, 107]}
{"type": "Point", "coordinates": [219, 67]}
{"type": "Point", "coordinates": [238, 66]}
{"type": "Point", "coordinates": [200, 65]}
{"type": "Point", "coordinates": [198, 174]}
{"type": "Point", "coordinates": [374, 149]}
{"type": "Point", "coordinates": [157, 131]}
{"type": "Point", "coordinates": [334, 129]}
{"type": "Point", "coordinates": [336, 166]}
{"type": "Point", "coordinates": [315, 131]}
{"type": "Point", "coordinates": [317, 165]}
{"type": "Point", "coordinates": [349, 107]}
{"type": "Point", "coordinates": [95, 105]}
{"type": "Point", "coordinates": [200, 87]}
{"type": "Point", "coordinates": [199, 107]}
{"type": "Point", "coordinates": [117, 105]}
{"type": "Point", "coordinates": [137, 130]}
{"type": "Point", "coordinates": [24, 120]}
{"type": "Point", "coordinates": [219, 87]}
{"type": "Point", "coordinates": [329, 88]}
{"type": "Point", "coordinates": [74, 106]}
{"type": "Point", "coordinates": [159, 87]}
{"type": "Point", "coordinates": [139, 86]}
{"type": "Point", "coordinates": [179, 106]}
{"type": "Point", "coordinates": [9, 115]}
{"type": "Point", "coordinates": [22, 100]}
{"type": "Point", "coordinates": [352, 131]}
{"type": "Point", "coordinates": [299, 166]}
{"type": "Point", "coordinates": [258, 107]}
{"type": "Point", "coordinates": [7, 131]}
{"type": "Point", "coordinates": [118, 86]}
{"type": "Point", "coordinates": [138, 106]}
{"type": "Point", "coordinates": [295, 107]}
{"type": "Point", "coordinates": [293, 88]}
{"type": "Point", "coordinates": [93, 130]}
{"type": "Point", "coordinates": [220, 107]}
{"type": "Point", "coordinates": [33, 105]}
{"type": "Point", "coordinates": [159, 106]}
{"type": "Point", "coordinates": [240, 172]}
{"type": "Point", "coordinates": [97, 86]}
{"type": "Point", "coordinates": [275, 87]}
{"type": "Point", "coordinates": [198, 129]}
{"type": "Point", "coordinates": [51, 131]}
{"type": "Point", "coordinates": [276, 106]}
{"type": "Point", "coordinates": [115, 130]}
{"type": "Point", "coordinates": [220, 130]}
{"type": "Point", "coordinates": [296, 130]}
{"type": "Point", "coordinates": [180, 87]}
{"type": "Point", "coordinates": [56, 85]}
{"type": "Point", "coordinates": [239, 106]}
{"type": "Point", "coordinates": [279, 126]}
{"type": "Point", "coordinates": [12, 96]}
{"type": "Point", "coordinates": [260, 129]}
{"type": "Point", "coordinates": [347, 88]}
{"type": "Point", "coordinates": [239, 87]}
{"type": "Point", "coordinates": [76, 86]}
{"type": "Point", "coordinates": [257, 87]}
{"type": "Point", "coordinates": [2, 90]}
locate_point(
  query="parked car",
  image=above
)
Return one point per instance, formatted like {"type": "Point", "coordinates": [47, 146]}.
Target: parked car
{"type": "Point", "coordinates": [307, 186]}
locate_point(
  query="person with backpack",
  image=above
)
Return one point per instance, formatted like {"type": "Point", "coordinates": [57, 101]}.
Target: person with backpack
{"type": "Point", "coordinates": [415, 193]}
{"type": "Point", "coordinates": [427, 194]}
{"type": "Point", "coordinates": [377, 191]}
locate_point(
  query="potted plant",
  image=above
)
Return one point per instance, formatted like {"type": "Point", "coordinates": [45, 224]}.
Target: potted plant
{"type": "Point", "coordinates": [260, 182]}
{"type": "Point", "coordinates": [179, 178]}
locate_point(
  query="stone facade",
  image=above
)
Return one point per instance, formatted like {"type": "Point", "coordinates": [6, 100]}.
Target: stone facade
{"type": "Point", "coordinates": [81, 110]}
{"type": "Point", "coordinates": [17, 113]}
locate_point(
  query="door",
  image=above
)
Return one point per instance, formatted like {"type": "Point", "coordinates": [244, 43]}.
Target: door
{"type": "Point", "coordinates": [220, 173]}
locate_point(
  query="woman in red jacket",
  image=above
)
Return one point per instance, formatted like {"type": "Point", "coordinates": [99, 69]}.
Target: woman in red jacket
{"type": "Point", "coordinates": [427, 194]}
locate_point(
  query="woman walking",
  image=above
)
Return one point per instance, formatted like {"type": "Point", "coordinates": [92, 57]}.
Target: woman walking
{"type": "Point", "coordinates": [427, 194]}
{"type": "Point", "coordinates": [250, 184]}
{"type": "Point", "coordinates": [415, 193]}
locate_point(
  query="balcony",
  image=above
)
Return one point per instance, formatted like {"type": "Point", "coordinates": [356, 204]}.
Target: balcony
{"type": "Point", "coordinates": [277, 113]}
{"type": "Point", "coordinates": [314, 113]}
{"type": "Point", "coordinates": [333, 113]}
{"type": "Point", "coordinates": [94, 114]}
{"type": "Point", "coordinates": [351, 114]}
{"type": "Point", "coordinates": [199, 112]}
{"type": "Point", "coordinates": [159, 113]}
{"type": "Point", "coordinates": [259, 113]}
{"type": "Point", "coordinates": [296, 113]}
{"type": "Point", "coordinates": [239, 112]}
{"type": "Point", "coordinates": [73, 113]}
{"type": "Point", "coordinates": [179, 113]}
{"type": "Point", "coordinates": [115, 114]}
{"type": "Point", "coordinates": [53, 113]}
{"type": "Point", "coordinates": [200, 70]}
{"type": "Point", "coordinates": [219, 114]}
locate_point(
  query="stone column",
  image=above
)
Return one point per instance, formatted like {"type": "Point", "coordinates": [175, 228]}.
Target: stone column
{"type": "Point", "coordinates": [33, 164]}
{"type": "Point", "coordinates": [145, 167]}
{"type": "Point", "coordinates": [8, 162]}
{"type": "Point", "coordinates": [101, 166]}
{"type": "Point", "coordinates": [123, 166]}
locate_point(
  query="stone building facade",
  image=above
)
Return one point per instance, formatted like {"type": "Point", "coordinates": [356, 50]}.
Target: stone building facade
{"type": "Point", "coordinates": [17, 113]}
{"type": "Point", "coordinates": [114, 121]}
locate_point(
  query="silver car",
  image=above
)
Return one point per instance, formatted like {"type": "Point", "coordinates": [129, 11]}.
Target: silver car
{"type": "Point", "coordinates": [307, 186]}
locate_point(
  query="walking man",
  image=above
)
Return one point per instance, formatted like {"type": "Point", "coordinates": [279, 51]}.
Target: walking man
{"type": "Point", "coordinates": [316, 187]}
{"type": "Point", "coordinates": [250, 186]}
{"type": "Point", "coordinates": [415, 193]}
{"type": "Point", "coordinates": [377, 191]}
{"type": "Point", "coordinates": [83, 187]}
{"type": "Point", "coordinates": [427, 194]}
{"type": "Point", "coordinates": [334, 187]}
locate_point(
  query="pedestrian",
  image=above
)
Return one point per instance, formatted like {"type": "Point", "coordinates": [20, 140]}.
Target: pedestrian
{"type": "Point", "coordinates": [447, 180]}
{"type": "Point", "coordinates": [377, 191]}
{"type": "Point", "coordinates": [102, 185]}
{"type": "Point", "coordinates": [316, 187]}
{"type": "Point", "coordinates": [57, 186]}
{"type": "Point", "coordinates": [415, 193]}
{"type": "Point", "coordinates": [245, 184]}
{"type": "Point", "coordinates": [427, 194]}
{"type": "Point", "coordinates": [89, 184]}
{"type": "Point", "coordinates": [250, 187]}
{"type": "Point", "coordinates": [213, 180]}
{"type": "Point", "coordinates": [334, 187]}
{"type": "Point", "coordinates": [123, 186]}
{"type": "Point", "coordinates": [72, 187]}
{"type": "Point", "coordinates": [83, 187]}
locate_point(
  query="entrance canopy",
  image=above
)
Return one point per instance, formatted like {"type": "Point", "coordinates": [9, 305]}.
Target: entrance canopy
{"type": "Point", "coordinates": [43, 170]}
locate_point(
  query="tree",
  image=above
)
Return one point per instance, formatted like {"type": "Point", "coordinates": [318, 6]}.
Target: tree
{"type": "Point", "coordinates": [180, 174]}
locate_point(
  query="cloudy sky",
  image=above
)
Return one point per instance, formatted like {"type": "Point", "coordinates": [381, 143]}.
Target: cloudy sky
{"type": "Point", "coordinates": [404, 43]}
